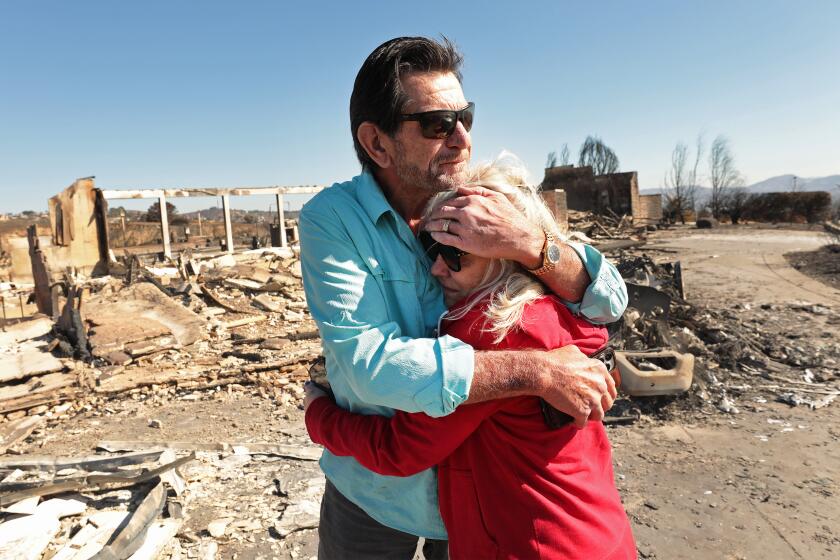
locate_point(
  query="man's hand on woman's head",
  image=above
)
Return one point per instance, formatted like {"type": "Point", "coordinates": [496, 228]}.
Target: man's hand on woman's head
{"type": "Point", "coordinates": [311, 392]}
{"type": "Point", "coordinates": [485, 223]}
{"type": "Point", "coordinates": [577, 385]}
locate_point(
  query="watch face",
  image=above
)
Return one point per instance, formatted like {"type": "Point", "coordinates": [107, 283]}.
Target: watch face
{"type": "Point", "coordinates": [553, 253]}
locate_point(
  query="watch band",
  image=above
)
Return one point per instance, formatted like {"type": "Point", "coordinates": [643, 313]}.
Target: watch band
{"type": "Point", "coordinates": [546, 263]}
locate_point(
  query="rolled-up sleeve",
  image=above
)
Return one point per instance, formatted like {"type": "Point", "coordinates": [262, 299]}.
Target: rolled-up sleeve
{"type": "Point", "coordinates": [605, 299]}
{"type": "Point", "coordinates": [367, 349]}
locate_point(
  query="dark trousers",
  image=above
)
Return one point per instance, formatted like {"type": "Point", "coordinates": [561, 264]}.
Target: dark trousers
{"type": "Point", "coordinates": [347, 532]}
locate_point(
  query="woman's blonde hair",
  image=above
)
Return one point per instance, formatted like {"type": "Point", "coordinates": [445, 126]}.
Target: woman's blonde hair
{"type": "Point", "coordinates": [509, 286]}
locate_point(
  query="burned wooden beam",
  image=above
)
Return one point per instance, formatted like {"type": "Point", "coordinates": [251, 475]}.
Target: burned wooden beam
{"type": "Point", "coordinates": [164, 227]}
{"type": "Point", "coordinates": [131, 380]}
{"type": "Point", "coordinates": [37, 385]}
{"type": "Point", "coordinates": [40, 273]}
{"type": "Point", "coordinates": [121, 194]}
{"type": "Point", "coordinates": [228, 227]}
{"type": "Point", "coordinates": [292, 451]}
{"type": "Point", "coordinates": [245, 321]}
{"type": "Point", "coordinates": [211, 295]}
{"type": "Point", "coordinates": [18, 430]}
{"type": "Point", "coordinates": [129, 537]}
{"type": "Point", "coordinates": [281, 221]}
{"type": "Point", "coordinates": [92, 482]}
{"type": "Point", "coordinates": [30, 401]}
{"type": "Point", "coordinates": [183, 377]}
{"type": "Point", "coordinates": [90, 463]}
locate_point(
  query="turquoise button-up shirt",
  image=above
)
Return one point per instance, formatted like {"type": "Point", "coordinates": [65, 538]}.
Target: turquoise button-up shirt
{"type": "Point", "coordinates": [369, 289]}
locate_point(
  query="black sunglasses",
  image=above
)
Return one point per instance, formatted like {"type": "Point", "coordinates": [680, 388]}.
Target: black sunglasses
{"type": "Point", "coordinates": [451, 255]}
{"type": "Point", "coordinates": [441, 124]}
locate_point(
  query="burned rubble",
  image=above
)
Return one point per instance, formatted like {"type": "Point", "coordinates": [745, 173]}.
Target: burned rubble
{"type": "Point", "coordinates": [190, 329]}
{"type": "Point", "coordinates": [606, 226]}
{"type": "Point", "coordinates": [201, 329]}
{"type": "Point", "coordinates": [744, 356]}
{"type": "Point", "coordinates": [111, 509]}
{"type": "Point", "coordinates": [195, 332]}
{"type": "Point", "coordinates": [228, 316]}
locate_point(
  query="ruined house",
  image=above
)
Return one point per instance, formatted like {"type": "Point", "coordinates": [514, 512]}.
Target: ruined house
{"type": "Point", "coordinates": [615, 192]}
{"type": "Point", "coordinates": [79, 242]}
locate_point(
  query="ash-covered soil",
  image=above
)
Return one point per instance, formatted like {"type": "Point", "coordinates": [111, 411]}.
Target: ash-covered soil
{"type": "Point", "coordinates": [754, 475]}
{"type": "Point", "coordinates": [822, 264]}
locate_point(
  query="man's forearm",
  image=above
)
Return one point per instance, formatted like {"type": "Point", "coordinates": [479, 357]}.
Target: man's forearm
{"type": "Point", "coordinates": [572, 383]}
{"type": "Point", "coordinates": [505, 373]}
{"type": "Point", "coordinates": [569, 278]}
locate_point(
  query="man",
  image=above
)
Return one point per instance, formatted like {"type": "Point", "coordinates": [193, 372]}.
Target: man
{"type": "Point", "coordinates": [369, 289]}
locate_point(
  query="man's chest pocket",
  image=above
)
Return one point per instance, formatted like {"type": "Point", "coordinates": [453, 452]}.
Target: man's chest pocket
{"type": "Point", "coordinates": [391, 269]}
{"type": "Point", "coordinates": [397, 278]}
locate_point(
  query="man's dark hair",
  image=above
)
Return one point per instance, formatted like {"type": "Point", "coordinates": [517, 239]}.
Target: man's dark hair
{"type": "Point", "coordinates": [378, 95]}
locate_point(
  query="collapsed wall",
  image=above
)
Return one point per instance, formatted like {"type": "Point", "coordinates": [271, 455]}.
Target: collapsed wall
{"type": "Point", "coordinates": [78, 241]}
{"type": "Point", "coordinates": [79, 229]}
{"type": "Point", "coordinates": [600, 194]}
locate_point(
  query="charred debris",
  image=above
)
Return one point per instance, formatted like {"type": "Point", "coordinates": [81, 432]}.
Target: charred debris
{"type": "Point", "coordinates": [189, 328]}
{"type": "Point", "coordinates": [193, 326]}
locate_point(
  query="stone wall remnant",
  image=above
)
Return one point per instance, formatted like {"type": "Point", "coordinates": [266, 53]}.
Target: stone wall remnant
{"type": "Point", "coordinates": [614, 192]}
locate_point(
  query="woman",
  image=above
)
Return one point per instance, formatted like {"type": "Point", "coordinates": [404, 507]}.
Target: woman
{"type": "Point", "coordinates": [509, 486]}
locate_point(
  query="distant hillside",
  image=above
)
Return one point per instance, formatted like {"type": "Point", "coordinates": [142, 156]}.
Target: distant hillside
{"type": "Point", "coordinates": [784, 183]}
{"type": "Point", "coordinates": [781, 183]}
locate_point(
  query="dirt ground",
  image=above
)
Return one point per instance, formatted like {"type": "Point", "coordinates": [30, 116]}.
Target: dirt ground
{"type": "Point", "coordinates": [762, 483]}
{"type": "Point", "coordinates": [759, 484]}
{"type": "Point", "coordinates": [747, 264]}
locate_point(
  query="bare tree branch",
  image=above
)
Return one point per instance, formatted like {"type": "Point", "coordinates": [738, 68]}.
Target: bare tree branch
{"type": "Point", "coordinates": [723, 175]}
{"type": "Point", "coordinates": [693, 177]}
{"type": "Point", "coordinates": [564, 159]}
{"type": "Point", "coordinates": [565, 156]}
{"type": "Point", "coordinates": [676, 182]}
{"type": "Point", "coordinates": [681, 181]}
{"type": "Point", "coordinates": [598, 155]}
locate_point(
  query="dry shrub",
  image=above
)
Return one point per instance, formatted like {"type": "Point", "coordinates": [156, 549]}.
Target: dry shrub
{"type": "Point", "coordinates": [811, 207]}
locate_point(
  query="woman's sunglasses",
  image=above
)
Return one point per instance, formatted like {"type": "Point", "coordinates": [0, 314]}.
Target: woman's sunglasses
{"type": "Point", "coordinates": [451, 255]}
{"type": "Point", "coordinates": [441, 124]}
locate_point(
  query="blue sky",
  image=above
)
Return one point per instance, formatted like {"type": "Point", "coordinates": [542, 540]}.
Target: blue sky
{"type": "Point", "coordinates": [175, 93]}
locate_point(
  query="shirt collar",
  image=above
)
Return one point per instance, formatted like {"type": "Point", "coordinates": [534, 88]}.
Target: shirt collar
{"type": "Point", "coordinates": [371, 197]}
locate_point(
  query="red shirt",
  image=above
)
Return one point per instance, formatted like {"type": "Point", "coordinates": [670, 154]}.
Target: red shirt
{"type": "Point", "coordinates": [509, 487]}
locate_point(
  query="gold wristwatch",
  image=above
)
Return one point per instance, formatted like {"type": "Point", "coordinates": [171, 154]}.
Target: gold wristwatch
{"type": "Point", "coordinates": [550, 255]}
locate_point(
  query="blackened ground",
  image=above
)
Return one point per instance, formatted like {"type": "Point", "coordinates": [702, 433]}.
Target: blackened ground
{"type": "Point", "coordinates": [822, 264]}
